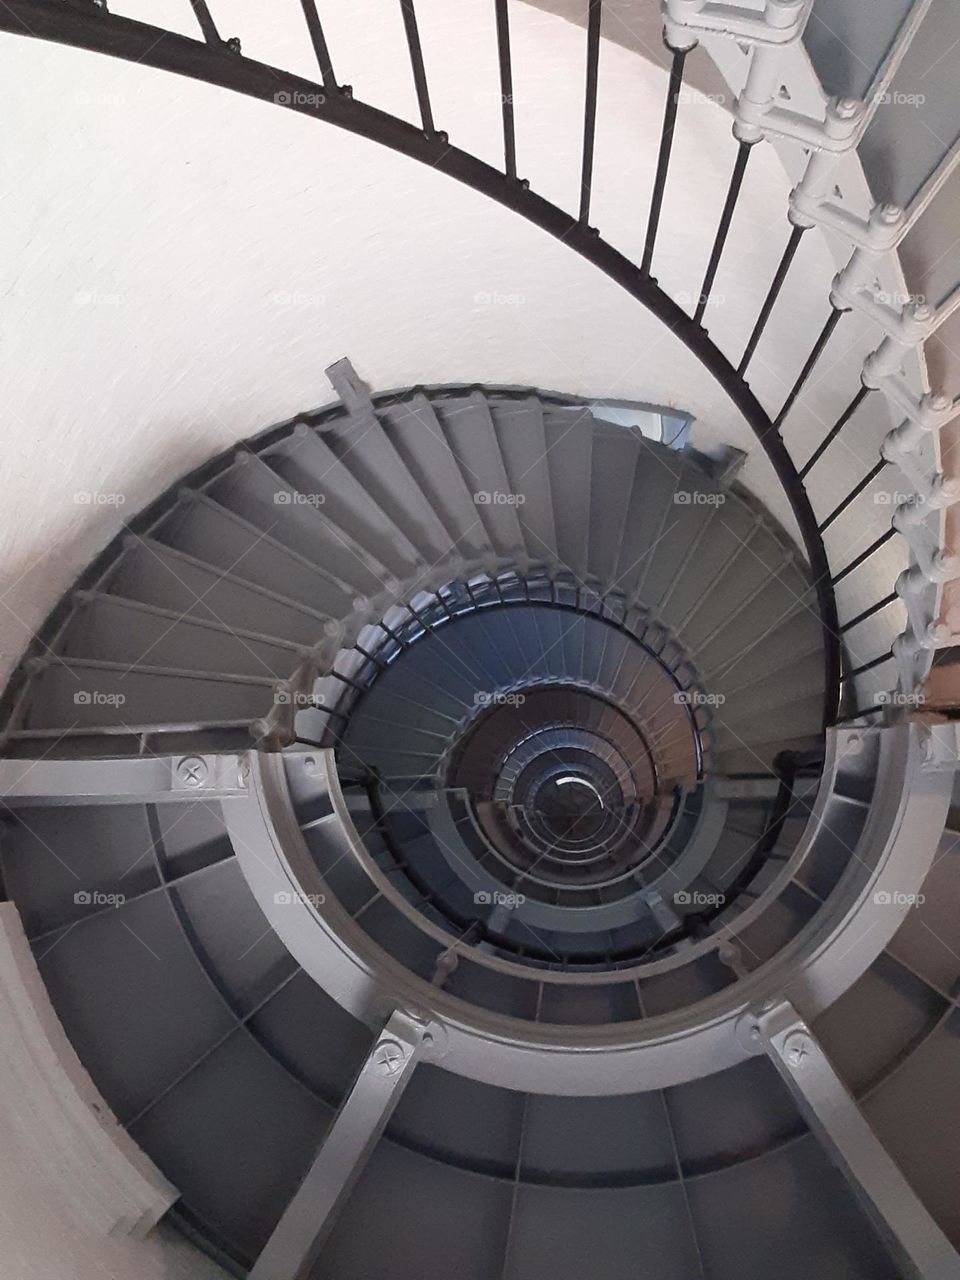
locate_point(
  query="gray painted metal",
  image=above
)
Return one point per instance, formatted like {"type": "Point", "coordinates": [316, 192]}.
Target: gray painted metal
{"type": "Point", "coordinates": [896, 846]}
{"type": "Point", "coordinates": [310, 1215]}
{"type": "Point", "coordinates": [921, 1249]}
{"type": "Point", "coordinates": [137, 780]}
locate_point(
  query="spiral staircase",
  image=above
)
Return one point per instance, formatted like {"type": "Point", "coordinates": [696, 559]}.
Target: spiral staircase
{"type": "Point", "coordinates": [462, 830]}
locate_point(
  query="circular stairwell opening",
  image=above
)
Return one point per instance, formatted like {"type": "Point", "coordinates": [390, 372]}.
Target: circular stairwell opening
{"type": "Point", "coordinates": [572, 808]}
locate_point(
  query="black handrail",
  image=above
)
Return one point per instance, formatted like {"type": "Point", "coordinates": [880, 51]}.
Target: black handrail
{"type": "Point", "coordinates": [100, 31]}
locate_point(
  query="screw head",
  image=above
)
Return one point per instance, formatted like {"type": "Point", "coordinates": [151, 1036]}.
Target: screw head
{"type": "Point", "coordinates": [847, 108]}
{"type": "Point", "coordinates": [388, 1057]}
{"type": "Point", "coordinates": [192, 771]}
{"type": "Point", "coordinates": [797, 1048]}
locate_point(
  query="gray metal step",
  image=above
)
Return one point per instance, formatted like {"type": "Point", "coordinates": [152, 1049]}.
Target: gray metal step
{"type": "Point", "coordinates": [208, 531]}
{"type": "Point", "coordinates": [362, 443]}
{"type": "Point", "coordinates": [415, 431]}
{"type": "Point", "coordinates": [261, 496]}
{"type": "Point", "coordinates": [159, 575]}
{"type": "Point", "coordinates": [569, 440]}
{"type": "Point", "coordinates": [520, 430]}
{"type": "Point", "coordinates": [307, 462]}
{"type": "Point", "coordinates": [128, 631]}
{"type": "Point", "coordinates": [469, 430]}
{"type": "Point", "coordinates": [81, 693]}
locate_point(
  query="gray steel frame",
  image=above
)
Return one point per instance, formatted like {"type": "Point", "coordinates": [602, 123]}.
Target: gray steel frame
{"type": "Point", "coordinates": [920, 1248]}
{"type": "Point", "coordinates": [896, 847]}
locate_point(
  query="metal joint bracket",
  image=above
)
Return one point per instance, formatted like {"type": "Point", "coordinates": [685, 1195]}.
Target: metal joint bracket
{"type": "Point", "coordinates": [940, 747]}
{"type": "Point", "coordinates": [780, 23]}
{"type": "Point", "coordinates": [299, 1236]}
{"type": "Point", "coordinates": [349, 386]}
{"type": "Point", "coordinates": [920, 1248]}
{"type": "Point", "coordinates": [126, 780]}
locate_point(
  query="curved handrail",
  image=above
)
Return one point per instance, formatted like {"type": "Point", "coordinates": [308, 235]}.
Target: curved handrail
{"type": "Point", "coordinates": [219, 62]}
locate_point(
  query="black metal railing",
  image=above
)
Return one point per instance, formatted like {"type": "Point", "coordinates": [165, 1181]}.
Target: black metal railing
{"type": "Point", "coordinates": [220, 61]}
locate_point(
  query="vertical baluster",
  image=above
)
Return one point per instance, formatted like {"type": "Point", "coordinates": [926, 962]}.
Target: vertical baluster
{"type": "Point", "coordinates": [590, 107]}
{"type": "Point", "coordinates": [207, 25]}
{"type": "Point", "coordinates": [793, 245]}
{"type": "Point", "coordinates": [807, 369]}
{"type": "Point", "coordinates": [835, 430]}
{"type": "Point", "coordinates": [663, 159]}
{"type": "Point", "coordinates": [416, 62]}
{"type": "Point", "coordinates": [506, 89]}
{"type": "Point", "coordinates": [730, 204]}
{"type": "Point", "coordinates": [854, 493]}
{"type": "Point", "coordinates": [319, 44]}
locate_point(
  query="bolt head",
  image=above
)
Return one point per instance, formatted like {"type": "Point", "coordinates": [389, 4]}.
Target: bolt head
{"type": "Point", "coordinates": [890, 214]}
{"type": "Point", "coordinates": [192, 771]}
{"type": "Point", "coordinates": [847, 108]}
{"type": "Point", "coordinates": [388, 1057]}
{"type": "Point", "coordinates": [797, 1048]}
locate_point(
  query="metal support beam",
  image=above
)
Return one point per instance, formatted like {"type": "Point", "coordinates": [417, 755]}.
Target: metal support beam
{"type": "Point", "coordinates": [920, 1248]}
{"type": "Point", "coordinates": [308, 1219]}
{"type": "Point", "coordinates": [125, 780]}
